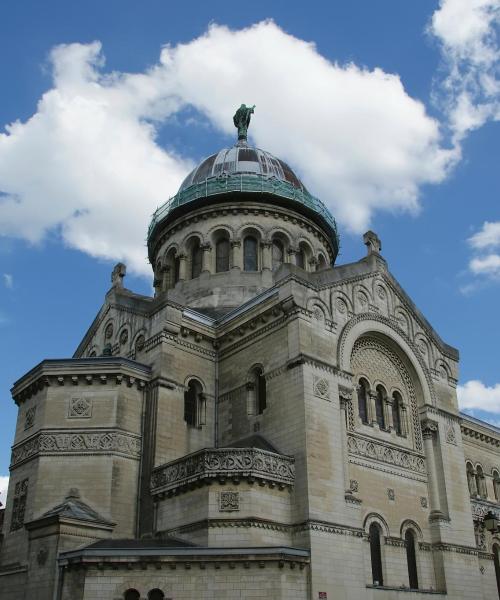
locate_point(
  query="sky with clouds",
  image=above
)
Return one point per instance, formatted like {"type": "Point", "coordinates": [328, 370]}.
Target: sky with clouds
{"type": "Point", "coordinates": [388, 111]}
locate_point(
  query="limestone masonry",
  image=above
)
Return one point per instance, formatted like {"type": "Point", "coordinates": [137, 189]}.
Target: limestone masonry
{"type": "Point", "coordinates": [268, 425]}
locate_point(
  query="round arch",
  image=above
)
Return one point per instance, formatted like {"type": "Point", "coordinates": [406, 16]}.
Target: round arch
{"type": "Point", "coordinates": [365, 324]}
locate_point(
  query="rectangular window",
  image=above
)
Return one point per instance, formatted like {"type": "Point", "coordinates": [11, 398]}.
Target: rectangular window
{"type": "Point", "coordinates": [19, 505]}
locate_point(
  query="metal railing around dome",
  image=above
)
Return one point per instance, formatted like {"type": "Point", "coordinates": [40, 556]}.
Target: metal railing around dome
{"type": "Point", "coordinates": [251, 183]}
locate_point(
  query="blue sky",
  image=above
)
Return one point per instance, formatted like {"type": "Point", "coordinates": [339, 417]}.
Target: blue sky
{"type": "Point", "coordinates": [388, 110]}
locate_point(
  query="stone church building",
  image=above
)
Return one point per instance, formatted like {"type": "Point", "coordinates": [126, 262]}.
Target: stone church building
{"type": "Point", "coordinates": [269, 425]}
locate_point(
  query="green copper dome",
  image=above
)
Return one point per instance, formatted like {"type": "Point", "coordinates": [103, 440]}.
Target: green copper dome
{"type": "Point", "coordinates": [244, 170]}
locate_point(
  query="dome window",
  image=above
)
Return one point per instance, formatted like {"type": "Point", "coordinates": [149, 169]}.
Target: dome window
{"type": "Point", "coordinates": [250, 254]}
{"type": "Point", "coordinates": [222, 255]}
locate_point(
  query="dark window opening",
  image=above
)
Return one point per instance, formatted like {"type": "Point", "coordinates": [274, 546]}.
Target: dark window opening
{"type": "Point", "coordinates": [376, 555]}
{"type": "Point", "coordinates": [362, 401]}
{"type": "Point", "coordinates": [250, 254]}
{"type": "Point", "coordinates": [396, 412]}
{"type": "Point", "coordinates": [156, 594]}
{"type": "Point", "coordinates": [131, 595]}
{"type": "Point", "coordinates": [411, 559]}
{"type": "Point", "coordinates": [196, 260]}
{"type": "Point", "coordinates": [379, 407]}
{"type": "Point", "coordinates": [222, 256]}
{"type": "Point", "coordinates": [191, 398]}
{"type": "Point", "coordinates": [300, 259]}
{"type": "Point", "coordinates": [177, 265]}
{"type": "Point", "coordinates": [261, 392]}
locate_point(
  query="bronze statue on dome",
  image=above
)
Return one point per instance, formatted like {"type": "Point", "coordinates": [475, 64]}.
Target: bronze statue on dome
{"type": "Point", "coordinates": [241, 120]}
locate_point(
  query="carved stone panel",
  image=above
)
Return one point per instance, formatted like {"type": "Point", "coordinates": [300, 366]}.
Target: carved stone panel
{"type": "Point", "coordinates": [321, 388]}
{"type": "Point", "coordinates": [229, 501]}
{"type": "Point", "coordinates": [29, 419]}
{"type": "Point", "coordinates": [80, 408]}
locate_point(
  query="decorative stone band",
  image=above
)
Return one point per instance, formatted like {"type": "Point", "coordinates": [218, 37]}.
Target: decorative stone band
{"type": "Point", "coordinates": [479, 509]}
{"type": "Point", "coordinates": [221, 464]}
{"type": "Point", "coordinates": [50, 442]}
{"type": "Point", "coordinates": [385, 453]}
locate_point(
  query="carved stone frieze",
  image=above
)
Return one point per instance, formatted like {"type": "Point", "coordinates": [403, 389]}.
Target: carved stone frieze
{"type": "Point", "coordinates": [224, 463]}
{"type": "Point", "coordinates": [479, 509]}
{"type": "Point", "coordinates": [384, 453]}
{"type": "Point", "coordinates": [77, 442]}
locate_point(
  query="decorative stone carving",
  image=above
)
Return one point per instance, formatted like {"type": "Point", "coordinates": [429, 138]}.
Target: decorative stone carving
{"type": "Point", "coordinates": [124, 337]}
{"type": "Point", "coordinates": [108, 332]}
{"type": "Point", "coordinates": [229, 501]}
{"type": "Point", "coordinates": [341, 306]}
{"type": "Point", "coordinates": [391, 494]}
{"type": "Point", "coordinates": [378, 451]}
{"type": "Point", "coordinates": [80, 408]}
{"type": "Point", "coordinates": [317, 314]}
{"type": "Point", "coordinates": [424, 502]}
{"type": "Point", "coordinates": [451, 437]}
{"type": "Point", "coordinates": [354, 485]}
{"type": "Point", "coordinates": [119, 272]}
{"type": "Point", "coordinates": [224, 463]}
{"type": "Point", "coordinates": [321, 388]}
{"type": "Point", "coordinates": [372, 242]}
{"type": "Point", "coordinates": [19, 505]}
{"type": "Point", "coordinates": [41, 557]}
{"type": "Point", "coordinates": [376, 361]}
{"type": "Point", "coordinates": [29, 419]}
{"type": "Point", "coordinates": [381, 293]}
{"type": "Point", "coordinates": [429, 428]}
{"type": "Point", "coordinates": [82, 442]}
{"type": "Point", "coordinates": [140, 342]}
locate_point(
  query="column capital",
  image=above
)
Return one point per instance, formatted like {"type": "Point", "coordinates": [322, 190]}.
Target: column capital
{"type": "Point", "coordinates": [429, 428]}
{"type": "Point", "coordinates": [236, 243]}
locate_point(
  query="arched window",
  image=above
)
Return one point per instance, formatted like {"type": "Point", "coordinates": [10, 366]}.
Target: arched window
{"type": "Point", "coordinates": [496, 485]}
{"type": "Point", "coordinates": [363, 400]}
{"type": "Point", "coordinates": [300, 259]}
{"type": "Point", "coordinates": [278, 253]}
{"type": "Point", "coordinates": [397, 402]}
{"type": "Point", "coordinates": [177, 269]}
{"type": "Point", "coordinates": [250, 254]}
{"type": "Point", "coordinates": [480, 482]}
{"type": "Point", "coordinates": [379, 406]}
{"type": "Point", "coordinates": [376, 555]}
{"type": "Point", "coordinates": [411, 559]}
{"type": "Point", "coordinates": [196, 259]}
{"type": "Point", "coordinates": [260, 391]}
{"type": "Point", "coordinates": [156, 594]}
{"type": "Point", "coordinates": [471, 480]}
{"type": "Point", "coordinates": [222, 256]}
{"type": "Point", "coordinates": [496, 561]}
{"type": "Point", "coordinates": [193, 404]}
{"type": "Point", "coordinates": [321, 262]}
{"type": "Point", "coordinates": [131, 594]}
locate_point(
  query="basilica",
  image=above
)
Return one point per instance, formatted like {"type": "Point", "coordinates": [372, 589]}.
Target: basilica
{"type": "Point", "coordinates": [268, 425]}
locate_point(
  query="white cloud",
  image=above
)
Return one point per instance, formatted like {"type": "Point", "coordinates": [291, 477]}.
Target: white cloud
{"type": "Point", "coordinates": [87, 162]}
{"type": "Point", "coordinates": [4, 484]}
{"type": "Point", "coordinates": [474, 395]}
{"type": "Point", "coordinates": [487, 237]}
{"type": "Point", "coordinates": [486, 263]}
{"type": "Point", "coordinates": [8, 280]}
{"type": "Point", "coordinates": [468, 33]}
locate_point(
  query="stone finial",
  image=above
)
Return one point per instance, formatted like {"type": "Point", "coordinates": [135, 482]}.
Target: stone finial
{"type": "Point", "coordinates": [118, 274]}
{"type": "Point", "coordinates": [372, 242]}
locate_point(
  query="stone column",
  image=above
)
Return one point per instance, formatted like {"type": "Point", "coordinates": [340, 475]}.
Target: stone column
{"type": "Point", "coordinates": [206, 258]}
{"type": "Point", "coordinates": [266, 255]}
{"type": "Point", "coordinates": [182, 267]}
{"type": "Point", "coordinates": [237, 255]}
{"type": "Point", "coordinates": [345, 397]}
{"type": "Point", "coordinates": [292, 255]}
{"type": "Point", "coordinates": [313, 263]}
{"type": "Point", "coordinates": [404, 420]}
{"type": "Point", "coordinates": [372, 412]}
{"type": "Point", "coordinates": [165, 271]}
{"type": "Point", "coordinates": [429, 431]}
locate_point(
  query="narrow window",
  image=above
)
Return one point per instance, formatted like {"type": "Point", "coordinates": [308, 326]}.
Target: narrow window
{"type": "Point", "coordinates": [480, 482]}
{"type": "Point", "coordinates": [250, 254]}
{"type": "Point", "coordinates": [496, 485]}
{"type": "Point", "coordinates": [278, 253]}
{"type": "Point", "coordinates": [156, 594]}
{"type": "Point", "coordinates": [396, 412]}
{"type": "Point", "coordinates": [260, 386]}
{"type": "Point", "coordinates": [196, 260]}
{"type": "Point", "coordinates": [300, 260]}
{"type": "Point", "coordinates": [496, 560]}
{"type": "Point", "coordinates": [131, 595]}
{"type": "Point", "coordinates": [376, 555]}
{"type": "Point", "coordinates": [191, 404]}
{"type": "Point", "coordinates": [321, 262]}
{"type": "Point", "coordinates": [411, 559]}
{"type": "Point", "coordinates": [222, 256]}
{"type": "Point", "coordinates": [379, 407]}
{"type": "Point", "coordinates": [471, 480]}
{"type": "Point", "coordinates": [177, 269]}
{"type": "Point", "coordinates": [362, 401]}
